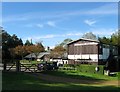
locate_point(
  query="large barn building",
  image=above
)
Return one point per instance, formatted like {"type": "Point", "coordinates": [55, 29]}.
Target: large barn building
{"type": "Point", "coordinates": [89, 51]}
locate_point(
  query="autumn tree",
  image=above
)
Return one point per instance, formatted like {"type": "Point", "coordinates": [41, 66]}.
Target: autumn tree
{"type": "Point", "coordinates": [18, 52]}
{"type": "Point", "coordinates": [58, 51]}
{"type": "Point", "coordinates": [37, 48]}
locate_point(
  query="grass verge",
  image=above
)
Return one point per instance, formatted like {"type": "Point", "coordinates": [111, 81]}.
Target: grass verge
{"type": "Point", "coordinates": [80, 75]}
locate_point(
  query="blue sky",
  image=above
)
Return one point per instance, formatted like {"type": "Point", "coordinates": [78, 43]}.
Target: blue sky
{"type": "Point", "coordinates": [51, 22]}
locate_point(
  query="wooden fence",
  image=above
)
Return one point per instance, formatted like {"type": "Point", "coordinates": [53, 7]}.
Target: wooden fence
{"type": "Point", "coordinates": [19, 67]}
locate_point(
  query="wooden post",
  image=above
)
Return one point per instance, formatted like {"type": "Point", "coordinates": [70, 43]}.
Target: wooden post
{"type": "Point", "coordinates": [4, 63]}
{"type": "Point", "coordinates": [18, 66]}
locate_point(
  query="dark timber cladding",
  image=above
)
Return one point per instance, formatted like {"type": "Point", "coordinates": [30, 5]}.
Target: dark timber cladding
{"type": "Point", "coordinates": [83, 49]}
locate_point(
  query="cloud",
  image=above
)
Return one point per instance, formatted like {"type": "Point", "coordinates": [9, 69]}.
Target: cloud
{"type": "Point", "coordinates": [44, 36]}
{"type": "Point", "coordinates": [35, 25]}
{"type": "Point", "coordinates": [74, 34]}
{"type": "Point", "coordinates": [14, 18]}
{"type": "Point", "coordinates": [50, 36]}
{"type": "Point", "coordinates": [51, 23]}
{"type": "Point", "coordinates": [90, 22]}
{"type": "Point", "coordinates": [106, 9]}
{"type": "Point", "coordinates": [103, 31]}
{"type": "Point", "coordinates": [37, 38]}
{"type": "Point", "coordinates": [40, 25]}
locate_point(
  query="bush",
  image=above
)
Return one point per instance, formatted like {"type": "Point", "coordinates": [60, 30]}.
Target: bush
{"type": "Point", "coordinates": [90, 69]}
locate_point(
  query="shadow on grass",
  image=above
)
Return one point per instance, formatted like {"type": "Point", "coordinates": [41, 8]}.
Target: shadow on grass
{"type": "Point", "coordinates": [72, 74]}
{"type": "Point", "coordinates": [21, 81]}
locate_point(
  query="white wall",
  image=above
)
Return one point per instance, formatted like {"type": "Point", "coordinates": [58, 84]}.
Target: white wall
{"type": "Point", "coordinates": [94, 57]}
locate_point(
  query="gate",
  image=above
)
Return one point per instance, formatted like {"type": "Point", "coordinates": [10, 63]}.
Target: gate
{"type": "Point", "coordinates": [28, 67]}
{"type": "Point", "coordinates": [8, 65]}
{"type": "Point", "coordinates": [19, 67]}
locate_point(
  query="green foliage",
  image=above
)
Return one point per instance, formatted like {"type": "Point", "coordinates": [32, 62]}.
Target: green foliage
{"type": "Point", "coordinates": [105, 40]}
{"type": "Point", "coordinates": [8, 42]}
{"type": "Point", "coordinates": [65, 42]}
{"type": "Point", "coordinates": [89, 35]}
{"type": "Point", "coordinates": [90, 69]}
{"type": "Point", "coordinates": [28, 43]}
{"type": "Point", "coordinates": [115, 38]}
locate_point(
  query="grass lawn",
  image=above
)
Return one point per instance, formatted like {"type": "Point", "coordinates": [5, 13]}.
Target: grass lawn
{"type": "Point", "coordinates": [29, 62]}
{"type": "Point", "coordinates": [23, 81]}
{"type": "Point", "coordinates": [80, 75]}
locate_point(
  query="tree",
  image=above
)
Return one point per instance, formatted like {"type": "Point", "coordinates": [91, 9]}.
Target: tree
{"type": "Point", "coordinates": [9, 42]}
{"type": "Point", "coordinates": [58, 51]}
{"type": "Point", "coordinates": [89, 35]}
{"type": "Point", "coordinates": [5, 45]}
{"type": "Point", "coordinates": [104, 40]}
{"type": "Point", "coordinates": [65, 42]}
{"type": "Point", "coordinates": [28, 43]}
{"type": "Point", "coordinates": [19, 51]}
{"type": "Point", "coordinates": [115, 38]}
{"type": "Point", "coordinates": [20, 42]}
{"type": "Point", "coordinates": [39, 45]}
{"type": "Point", "coordinates": [16, 41]}
{"type": "Point", "coordinates": [36, 49]}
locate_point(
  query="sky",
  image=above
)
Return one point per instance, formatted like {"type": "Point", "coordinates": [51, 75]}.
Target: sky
{"type": "Point", "coordinates": [52, 22]}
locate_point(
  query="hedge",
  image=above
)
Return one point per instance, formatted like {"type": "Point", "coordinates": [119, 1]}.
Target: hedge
{"type": "Point", "coordinates": [90, 69]}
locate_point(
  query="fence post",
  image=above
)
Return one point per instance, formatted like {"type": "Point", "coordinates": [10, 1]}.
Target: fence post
{"type": "Point", "coordinates": [18, 66]}
{"type": "Point", "coordinates": [4, 64]}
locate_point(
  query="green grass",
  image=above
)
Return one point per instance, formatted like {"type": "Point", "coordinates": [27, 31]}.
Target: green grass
{"type": "Point", "coordinates": [29, 62]}
{"type": "Point", "coordinates": [23, 81]}
{"type": "Point", "coordinates": [80, 75]}
{"type": "Point", "coordinates": [118, 75]}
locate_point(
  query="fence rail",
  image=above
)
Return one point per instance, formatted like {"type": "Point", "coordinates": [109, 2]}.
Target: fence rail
{"type": "Point", "coordinates": [17, 66]}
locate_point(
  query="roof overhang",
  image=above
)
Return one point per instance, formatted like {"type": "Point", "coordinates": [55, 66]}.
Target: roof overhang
{"type": "Point", "coordinates": [84, 39]}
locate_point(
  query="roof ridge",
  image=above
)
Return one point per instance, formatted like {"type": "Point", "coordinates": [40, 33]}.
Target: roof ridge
{"type": "Point", "coordinates": [84, 39]}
